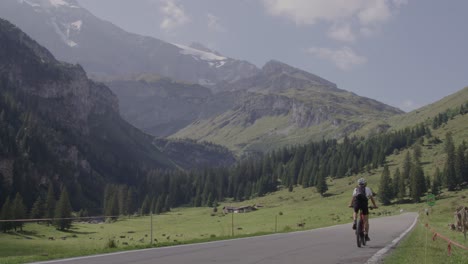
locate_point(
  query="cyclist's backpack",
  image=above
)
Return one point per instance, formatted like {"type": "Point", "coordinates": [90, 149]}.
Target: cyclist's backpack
{"type": "Point", "coordinates": [361, 193]}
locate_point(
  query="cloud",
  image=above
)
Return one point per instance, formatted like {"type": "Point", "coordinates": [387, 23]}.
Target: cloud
{"type": "Point", "coordinates": [377, 11]}
{"type": "Point", "coordinates": [360, 13]}
{"type": "Point", "coordinates": [214, 24]}
{"type": "Point", "coordinates": [342, 33]}
{"type": "Point", "coordinates": [174, 15]}
{"type": "Point", "coordinates": [344, 58]}
{"type": "Point", "coordinates": [409, 105]}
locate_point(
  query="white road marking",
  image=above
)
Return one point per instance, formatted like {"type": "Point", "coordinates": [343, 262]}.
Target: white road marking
{"type": "Point", "coordinates": [378, 256]}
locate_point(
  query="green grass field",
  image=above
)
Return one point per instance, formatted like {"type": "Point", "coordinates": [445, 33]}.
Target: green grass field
{"type": "Point", "coordinates": [281, 212]}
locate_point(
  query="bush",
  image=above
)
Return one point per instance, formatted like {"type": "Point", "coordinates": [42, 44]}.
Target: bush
{"type": "Point", "coordinates": [111, 243]}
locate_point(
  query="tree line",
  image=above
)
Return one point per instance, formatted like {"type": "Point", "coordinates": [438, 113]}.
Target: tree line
{"type": "Point", "coordinates": [306, 166]}
{"type": "Point", "coordinates": [412, 181]}
{"type": "Point", "coordinates": [56, 210]}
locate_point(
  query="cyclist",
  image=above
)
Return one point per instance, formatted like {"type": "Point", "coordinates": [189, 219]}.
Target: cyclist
{"type": "Point", "coordinates": [361, 195]}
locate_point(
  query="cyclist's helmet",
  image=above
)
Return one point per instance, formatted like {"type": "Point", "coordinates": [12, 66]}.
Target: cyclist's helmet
{"type": "Point", "coordinates": [362, 181]}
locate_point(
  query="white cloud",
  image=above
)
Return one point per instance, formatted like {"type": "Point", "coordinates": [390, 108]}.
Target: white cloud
{"type": "Point", "coordinates": [375, 12]}
{"type": "Point", "coordinates": [399, 3]}
{"type": "Point", "coordinates": [214, 24]}
{"type": "Point", "coordinates": [311, 11]}
{"type": "Point", "coordinates": [360, 13]}
{"type": "Point", "coordinates": [344, 58]}
{"type": "Point", "coordinates": [409, 105]}
{"type": "Point", "coordinates": [174, 15]}
{"type": "Point", "coordinates": [342, 33]}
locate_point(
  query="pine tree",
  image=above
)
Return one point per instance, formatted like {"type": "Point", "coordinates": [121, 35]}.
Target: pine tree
{"type": "Point", "coordinates": [449, 169]}
{"type": "Point", "coordinates": [407, 164]}
{"type": "Point", "coordinates": [400, 182]}
{"type": "Point", "coordinates": [6, 214]}
{"type": "Point", "coordinates": [38, 209]}
{"type": "Point", "coordinates": [168, 203]}
{"type": "Point", "coordinates": [63, 211]}
{"type": "Point", "coordinates": [460, 165]}
{"type": "Point", "coordinates": [122, 200]}
{"type": "Point", "coordinates": [436, 182]}
{"type": "Point", "coordinates": [131, 200]}
{"type": "Point", "coordinates": [418, 185]}
{"type": "Point", "coordinates": [112, 206]}
{"type": "Point", "coordinates": [50, 203]}
{"type": "Point", "coordinates": [321, 186]}
{"type": "Point", "coordinates": [145, 206]}
{"type": "Point", "coordinates": [159, 205]}
{"type": "Point", "coordinates": [19, 211]}
{"type": "Point", "coordinates": [385, 187]}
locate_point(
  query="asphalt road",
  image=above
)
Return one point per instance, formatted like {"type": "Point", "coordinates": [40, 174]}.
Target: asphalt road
{"type": "Point", "coordinates": [336, 244]}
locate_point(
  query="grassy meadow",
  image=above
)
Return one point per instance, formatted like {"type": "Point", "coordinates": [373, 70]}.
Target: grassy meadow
{"type": "Point", "coordinates": [281, 212]}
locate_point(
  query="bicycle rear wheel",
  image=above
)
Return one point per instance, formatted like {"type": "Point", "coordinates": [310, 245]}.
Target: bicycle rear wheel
{"type": "Point", "coordinates": [359, 232]}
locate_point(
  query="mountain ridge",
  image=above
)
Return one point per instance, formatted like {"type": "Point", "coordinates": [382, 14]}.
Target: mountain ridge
{"type": "Point", "coordinates": [75, 35]}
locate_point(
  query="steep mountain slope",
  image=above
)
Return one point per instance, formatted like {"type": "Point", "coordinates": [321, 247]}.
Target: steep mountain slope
{"type": "Point", "coordinates": [75, 35]}
{"type": "Point", "coordinates": [283, 105]}
{"type": "Point", "coordinates": [57, 126]}
{"type": "Point", "coordinates": [429, 111]}
{"type": "Point", "coordinates": [160, 107]}
{"type": "Point", "coordinates": [423, 114]}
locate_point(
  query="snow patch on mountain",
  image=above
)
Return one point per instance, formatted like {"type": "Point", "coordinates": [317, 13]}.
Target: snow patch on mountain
{"type": "Point", "coordinates": [65, 36]}
{"type": "Point", "coordinates": [213, 60]}
{"type": "Point", "coordinates": [47, 3]}
{"type": "Point", "coordinates": [29, 3]}
{"type": "Point", "coordinates": [57, 3]}
{"type": "Point", "coordinates": [76, 25]}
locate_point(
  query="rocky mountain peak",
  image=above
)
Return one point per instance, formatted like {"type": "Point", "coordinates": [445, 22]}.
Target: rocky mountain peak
{"type": "Point", "coordinates": [277, 68]}
{"type": "Point", "coordinates": [23, 61]}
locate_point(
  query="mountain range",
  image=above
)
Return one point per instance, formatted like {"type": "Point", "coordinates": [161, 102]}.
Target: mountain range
{"type": "Point", "coordinates": [176, 91]}
{"type": "Point", "coordinates": [75, 35]}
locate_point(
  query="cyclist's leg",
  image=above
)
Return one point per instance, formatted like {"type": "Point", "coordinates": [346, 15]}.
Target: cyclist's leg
{"type": "Point", "coordinates": [365, 212]}
{"type": "Point", "coordinates": [356, 208]}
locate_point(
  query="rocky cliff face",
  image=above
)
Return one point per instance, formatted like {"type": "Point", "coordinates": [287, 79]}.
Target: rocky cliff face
{"type": "Point", "coordinates": [62, 85]}
{"type": "Point", "coordinates": [57, 126]}
{"type": "Point", "coordinates": [284, 105]}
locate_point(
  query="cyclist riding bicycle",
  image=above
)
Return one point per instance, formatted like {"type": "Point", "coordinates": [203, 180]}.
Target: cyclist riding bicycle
{"type": "Point", "coordinates": [361, 195]}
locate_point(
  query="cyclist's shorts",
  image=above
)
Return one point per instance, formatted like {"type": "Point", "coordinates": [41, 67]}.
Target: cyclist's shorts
{"type": "Point", "coordinates": [363, 205]}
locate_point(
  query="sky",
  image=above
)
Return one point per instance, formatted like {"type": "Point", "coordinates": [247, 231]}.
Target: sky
{"type": "Point", "coordinates": [405, 53]}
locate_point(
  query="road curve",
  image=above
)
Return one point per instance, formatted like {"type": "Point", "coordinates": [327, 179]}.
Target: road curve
{"type": "Point", "coordinates": [335, 244]}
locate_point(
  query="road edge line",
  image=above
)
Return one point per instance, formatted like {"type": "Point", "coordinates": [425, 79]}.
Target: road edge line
{"type": "Point", "coordinates": [378, 256]}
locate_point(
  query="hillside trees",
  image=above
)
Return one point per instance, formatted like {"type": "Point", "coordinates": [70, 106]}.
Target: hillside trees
{"type": "Point", "coordinates": [6, 214]}
{"type": "Point", "coordinates": [386, 192]}
{"type": "Point", "coordinates": [19, 211]}
{"type": "Point", "coordinates": [449, 169]}
{"type": "Point", "coordinates": [50, 202]}
{"type": "Point", "coordinates": [63, 212]}
{"type": "Point", "coordinates": [400, 185]}
{"type": "Point", "coordinates": [436, 182]}
{"type": "Point", "coordinates": [417, 181]}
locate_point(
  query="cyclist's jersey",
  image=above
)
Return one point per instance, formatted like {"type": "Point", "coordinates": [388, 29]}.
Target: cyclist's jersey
{"type": "Point", "coordinates": [368, 192]}
{"type": "Point", "coordinates": [360, 203]}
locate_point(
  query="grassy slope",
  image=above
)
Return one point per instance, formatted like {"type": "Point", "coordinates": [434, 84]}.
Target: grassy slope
{"type": "Point", "coordinates": [270, 132]}
{"type": "Point", "coordinates": [419, 115]}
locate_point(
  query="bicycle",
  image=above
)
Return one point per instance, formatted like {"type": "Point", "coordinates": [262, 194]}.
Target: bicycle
{"type": "Point", "coordinates": [360, 237]}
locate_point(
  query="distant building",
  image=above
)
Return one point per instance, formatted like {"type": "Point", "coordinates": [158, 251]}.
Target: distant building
{"type": "Point", "coordinates": [242, 209]}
